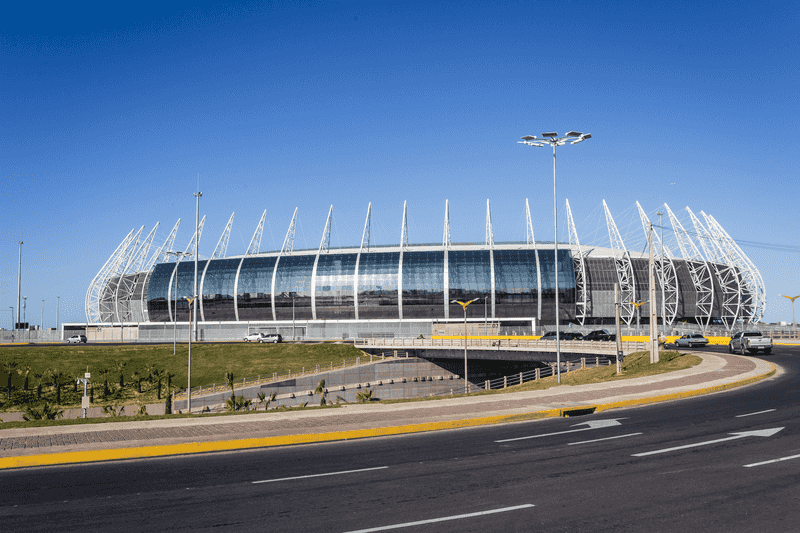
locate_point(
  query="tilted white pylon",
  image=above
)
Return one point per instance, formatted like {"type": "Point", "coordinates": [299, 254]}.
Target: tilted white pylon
{"type": "Point", "coordinates": [530, 239]}
{"type": "Point", "coordinates": [699, 271]}
{"type": "Point", "coordinates": [446, 232]}
{"type": "Point", "coordinates": [325, 243]}
{"type": "Point", "coordinates": [197, 235]}
{"type": "Point", "coordinates": [129, 276]}
{"type": "Point", "coordinates": [98, 283]}
{"type": "Point", "coordinates": [665, 269]}
{"type": "Point", "coordinates": [579, 265]}
{"type": "Point", "coordinates": [365, 238]}
{"type": "Point", "coordinates": [286, 249]}
{"type": "Point", "coordinates": [255, 240]}
{"type": "Point", "coordinates": [403, 246]}
{"type": "Point", "coordinates": [404, 229]}
{"type": "Point", "coordinates": [624, 267]}
{"type": "Point", "coordinates": [160, 256]}
{"type": "Point", "coordinates": [108, 304]}
{"type": "Point", "coordinates": [751, 277]}
{"type": "Point", "coordinates": [446, 248]}
{"type": "Point", "coordinates": [324, 247]}
{"type": "Point", "coordinates": [288, 241]}
{"type": "Point", "coordinates": [726, 274]}
{"type": "Point", "coordinates": [489, 232]}
{"type": "Point", "coordinates": [222, 244]}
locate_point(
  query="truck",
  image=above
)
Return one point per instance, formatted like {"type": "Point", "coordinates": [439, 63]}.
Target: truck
{"type": "Point", "coordinates": [746, 342]}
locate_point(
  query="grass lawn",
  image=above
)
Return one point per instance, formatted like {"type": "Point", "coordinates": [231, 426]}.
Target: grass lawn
{"type": "Point", "coordinates": [210, 362]}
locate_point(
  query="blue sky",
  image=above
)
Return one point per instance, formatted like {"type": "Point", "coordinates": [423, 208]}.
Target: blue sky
{"type": "Point", "coordinates": [109, 114]}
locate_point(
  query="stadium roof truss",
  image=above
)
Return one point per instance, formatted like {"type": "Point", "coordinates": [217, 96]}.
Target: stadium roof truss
{"type": "Point", "coordinates": [127, 284]}
{"type": "Point", "coordinates": [324, 247]}
{"type": "Point", "coordinates": [581, 290]}
{"type": "Point", "coordinates": [725, 271]}
{"type": "Point", "coordinates": [753, 291]}
{"type": "Point", "coordinates": [699, 271]}
{"type": "Point", "coordinates": [198, 233]}
{"type": "Point", "coordinates": [624, 266]}
{"type": "Point", "coordinates": [98, 284]}
{"type": "Point", "coordinates": [665, 269]}
{"type": "Point", "coordinates": [219, 253]}
{"type": "Point", "coordinates": [286, 249]}
{"type": "Point", "coordinates": [365, 238]}
{"type": "Point", "coordinates": [530, 240]}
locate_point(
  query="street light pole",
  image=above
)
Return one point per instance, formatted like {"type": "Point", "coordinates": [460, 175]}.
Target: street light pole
{"type": "Point", "coordinates": [464, 306]}
{"type": "Point", "coordinates": [177, 255]}
{"type": "Point", "coordinates": [189, 375]}
{"type": "Point", "coordinates": [197, 195]}
{"type": "Point", "coordinates": [663, 275]}
{"type": "Point", "coordinates": [792, 298]}
{"type": "Point", "coordinates": [552, 138]}
{"type": "Point", "coordinates": [19, 280]}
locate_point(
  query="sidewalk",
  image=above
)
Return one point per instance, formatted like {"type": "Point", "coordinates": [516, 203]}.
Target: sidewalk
{"type": "Point", "coordinates": [98, 442]}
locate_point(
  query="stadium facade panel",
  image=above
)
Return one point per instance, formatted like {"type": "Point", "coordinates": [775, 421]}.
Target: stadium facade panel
{"type": "Point", "coordinates": [370, 285]}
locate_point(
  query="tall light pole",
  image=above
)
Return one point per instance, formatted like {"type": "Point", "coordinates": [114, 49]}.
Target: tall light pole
{"type": "Point", "coordinates": [663, 275]}
{"type": "Point", "coordinates": [792, 298]}
{"type": "Point", "coordinates": [178, 255]}
{"type": "Point", "coordinates": [464, 306]}
{"type": "Point", "coordinates": [189, 375]}
{"type": "Point", "coordinates": [24, 309]}
{"type": "Point", "coordinates": [552, 139]}
{"type": "Point", "coordinates": [193, 303]}
{"type": "Point", "coordinates": [19, 280]}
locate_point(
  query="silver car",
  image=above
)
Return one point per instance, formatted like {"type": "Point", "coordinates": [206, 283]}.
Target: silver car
{"type": "Point", "coordinates": [692, 340]}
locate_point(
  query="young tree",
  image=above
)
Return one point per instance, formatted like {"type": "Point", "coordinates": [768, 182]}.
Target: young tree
{"type": "Point", "coordinates": [321, 390]}
{"type": "Point", "coordinates": [229, 379]}
{"type": "Point", "coordinates": [265, 400]}
{"type": "Point", "coordinates": [138, 379]}
{"type": "Point", "coordinates": [44, 412]}
{"type": "Point", "coordinates": [150, 368]}
{"type": "Point", "coordinates": [158, 375]}
{"type": "Point", "coordinates": [58, 379]}
{"type": "Point", "coordinates": [24, 371]}
{"type": "Point", "coordinates": [365, 396]}
{"type": "Point", "coordinates": [104, 372]}
{"type": "Point", "coordinates": [168, 376]}
{"type": "Point", "coordinates": [39, 379]}
{"type": "Point", "coordinates": [8, 368]}
{"type": "Point", "coordinates": [120, 366]}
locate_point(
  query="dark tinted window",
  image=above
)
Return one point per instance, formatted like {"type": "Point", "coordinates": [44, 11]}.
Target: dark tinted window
{"type": "Point", "coordinates": [423, 284]}
{"type": "Point", "coordinates": [377, 285]}
{"type": "Point", "coordinates": [334, 291]}
{"type": "Point", "coordinates": [255, 288]}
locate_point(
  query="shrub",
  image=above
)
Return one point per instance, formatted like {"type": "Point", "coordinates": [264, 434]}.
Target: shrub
{"type": "Point", "coordinates": [42, 412]}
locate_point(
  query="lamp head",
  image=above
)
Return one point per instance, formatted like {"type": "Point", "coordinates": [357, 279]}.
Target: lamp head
{"type": "Point", "coordinates": [574, 134]}
{"type": "Point", "coordinates": [529, 138]}
{"type": "Point", "coordinates": [550, 134]}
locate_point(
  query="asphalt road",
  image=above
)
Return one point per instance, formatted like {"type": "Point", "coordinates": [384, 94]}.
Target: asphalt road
{"type": "Point", "coordinates": [574, 474]}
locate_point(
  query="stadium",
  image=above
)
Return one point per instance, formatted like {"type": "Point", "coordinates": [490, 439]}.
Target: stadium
{"type": "Point", "coordinates": [408, 290]}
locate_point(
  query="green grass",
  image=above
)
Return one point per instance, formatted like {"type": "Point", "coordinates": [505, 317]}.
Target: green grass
{"type": "Point", "coordinates": [210, 362]}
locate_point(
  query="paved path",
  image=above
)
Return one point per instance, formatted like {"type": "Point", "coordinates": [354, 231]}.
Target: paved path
{"type": "Point", "coordinates": [54, 445]}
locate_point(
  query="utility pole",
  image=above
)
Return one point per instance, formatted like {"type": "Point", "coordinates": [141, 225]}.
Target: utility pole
{"type": "Point", "coordinates": [653, 319]}
{"type": "Point", "coordinates": [197, 195]}
{"type": "Point", "coordinates": [663, 276]}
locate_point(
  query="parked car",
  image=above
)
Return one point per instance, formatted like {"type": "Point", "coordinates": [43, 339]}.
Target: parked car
{"type": "Point", "coordinates": [691, 340]}
{"type": "Point", "coordinates": [600, 335]}
{"type": "Point", "coordinates": [750, 341]}
{"type": "Point", "coordinates": [564, 336]}
{"type": "Point", "coordinates": [253, 337]}
{"type": "Point", "coordinates": [271, 337]}
{"type": "Point", "coordinates": [76, 339]}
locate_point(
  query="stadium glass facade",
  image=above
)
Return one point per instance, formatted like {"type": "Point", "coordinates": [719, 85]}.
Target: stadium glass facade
{"type": "Point", "coordinates": [374, 285]}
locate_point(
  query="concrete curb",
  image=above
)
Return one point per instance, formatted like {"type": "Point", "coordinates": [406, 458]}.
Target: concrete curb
{"type": "Point", "coordinates": [51, 459]}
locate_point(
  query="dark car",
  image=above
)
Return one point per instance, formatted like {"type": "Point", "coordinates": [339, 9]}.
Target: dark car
{"type": "Point", "coordinates": [600, 335]}
{"type": "Point", "coordinates": [564, 336]}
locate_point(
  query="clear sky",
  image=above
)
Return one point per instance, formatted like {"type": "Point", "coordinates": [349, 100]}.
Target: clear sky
{"type": "Point", "coordinates": [108, 114]}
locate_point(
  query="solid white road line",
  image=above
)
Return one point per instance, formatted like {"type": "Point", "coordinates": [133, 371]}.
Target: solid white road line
{"type": "Point", "coordinates": [756, 413]}
{"type": "Point", "coordinates": [740, 435]}
{"type": "Point", "coordinates": [606, 438]}
{"type": "Point", "coordinates": [443, 519]}
{"type": "Point", "coordinates": [773, 461]}
{"type": "Point", "coordinates": [320, 475]}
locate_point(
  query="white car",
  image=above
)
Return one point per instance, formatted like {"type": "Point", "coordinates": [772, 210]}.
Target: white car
{"type": "Point", "coordinates": [253, 337]}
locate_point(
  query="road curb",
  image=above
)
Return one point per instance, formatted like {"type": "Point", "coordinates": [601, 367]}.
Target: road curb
{"type": "Point", "coordinates": [90, 456]}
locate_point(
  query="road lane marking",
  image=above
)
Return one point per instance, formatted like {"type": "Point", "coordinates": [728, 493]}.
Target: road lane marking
{"type": "Point", "coordinates": [756, 413]}
{"type": "Point", "coordinates": [773, 461]}
{"type": "Point", "coordinates": [320, 475]}
{"type": "Point", "coordinates": [594, 424]}
{"type": "Point", "coordinates": [443, 519]}
{"type": "Point", "coordinates": [605, 438]}
{"type": "Point", "coordinates": [740, 435]}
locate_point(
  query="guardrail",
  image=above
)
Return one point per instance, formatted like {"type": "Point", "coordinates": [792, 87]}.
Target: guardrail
{"type": "Point", "coordinates": [214, 388]}
{"type": "Point", "coordinates": [586, 347]}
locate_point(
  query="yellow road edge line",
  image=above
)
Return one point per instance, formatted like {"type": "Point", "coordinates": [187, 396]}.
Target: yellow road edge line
{"type": "Point", "coordinates": [243, 444]}
{"type": "Point", "coordinates": [87, 456]}
{"type": "Point", "coordinates": [686, 394]}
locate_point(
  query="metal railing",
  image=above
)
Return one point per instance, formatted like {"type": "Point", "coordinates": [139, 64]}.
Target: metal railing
{"type": "Point", "coordinates": [214, 388]}
{"type": "Point", "coordinates": [587, 347]}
